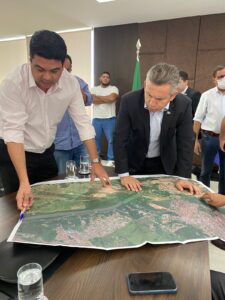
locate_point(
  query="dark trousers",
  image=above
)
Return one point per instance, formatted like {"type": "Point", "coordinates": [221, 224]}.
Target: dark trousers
{"type": "Point", "coordinates": [150, 166]}
{"type": "Point", "coordinates": [217, 285]}
{"type": "Point", "coordinates": [40, 167]}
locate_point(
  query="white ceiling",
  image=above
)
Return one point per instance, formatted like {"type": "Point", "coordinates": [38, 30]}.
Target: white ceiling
{"type": "Point", "coordinates": [23, 17]}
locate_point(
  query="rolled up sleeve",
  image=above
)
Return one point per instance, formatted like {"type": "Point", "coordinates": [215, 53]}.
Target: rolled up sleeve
{"type": "Point", "coordinates": [13, 113]}
{"type": "Point", "coordinates": [78, 114]}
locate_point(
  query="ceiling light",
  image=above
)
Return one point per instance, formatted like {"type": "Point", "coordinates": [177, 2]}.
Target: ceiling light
{"type": "Point", "coordinates": [101, 1]}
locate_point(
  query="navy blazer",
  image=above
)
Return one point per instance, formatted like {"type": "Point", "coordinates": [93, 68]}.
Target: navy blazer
{"type": "Point", "coordinates": [132, 133]}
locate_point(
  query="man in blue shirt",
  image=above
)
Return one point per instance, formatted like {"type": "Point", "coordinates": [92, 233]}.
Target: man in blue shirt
{"type": "Point", "coordinates": [68, 145]}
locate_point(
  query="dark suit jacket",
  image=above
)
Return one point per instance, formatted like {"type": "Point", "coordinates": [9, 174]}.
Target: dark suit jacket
{"type": "Point", "coordinates": [195, 97]}
{"type": "Point", "coordinates": [132, 133]}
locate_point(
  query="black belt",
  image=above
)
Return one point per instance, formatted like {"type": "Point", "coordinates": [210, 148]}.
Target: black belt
{"type": "Point", "coordinates": [211, 133]}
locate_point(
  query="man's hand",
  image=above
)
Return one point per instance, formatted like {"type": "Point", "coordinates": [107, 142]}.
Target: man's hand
{"type": "Point", "coordinates": [24, 196]}
{"type": "Point", "coordinates": [197, 148]}
{"type": "Point", "coordinates": [98, 171]}
{"type": "Point", "coordinates": [214, 199]}
{"type": "Point", "coordinates": [131, 183]}
{"type": "Point", "coordinates": [182, 185]}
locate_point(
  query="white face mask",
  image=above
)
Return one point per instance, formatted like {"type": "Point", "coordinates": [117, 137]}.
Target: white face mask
{"type": "Point", "coordinates": [221, 83]}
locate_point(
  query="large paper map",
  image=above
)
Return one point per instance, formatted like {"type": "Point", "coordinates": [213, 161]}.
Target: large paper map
{"type": "Point", "coordinates": [84, 214]}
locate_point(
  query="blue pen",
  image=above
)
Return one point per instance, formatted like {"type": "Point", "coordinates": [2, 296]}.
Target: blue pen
{"type": "Point", "coordinates": [22, 214]}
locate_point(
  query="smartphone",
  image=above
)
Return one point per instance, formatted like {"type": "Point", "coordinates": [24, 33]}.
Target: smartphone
{"type": "Point", "coordinates": [151, 283]}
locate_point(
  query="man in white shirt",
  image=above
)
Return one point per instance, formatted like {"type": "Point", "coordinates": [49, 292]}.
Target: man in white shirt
{"type": "Point", "coordinates": [33, 100]}
{"type": "Point", "coordinates": [208, 118]}
{"type": "Point", "coordinates": [104, 113]}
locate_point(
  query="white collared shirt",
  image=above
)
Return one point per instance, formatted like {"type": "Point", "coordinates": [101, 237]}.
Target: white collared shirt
{"type": "Point", "coordinates": [211, 110]}
{"type": "Point", "coordinates": [30, 116]}
{"type": "Point", "coordinates": [155, 130]}
{"type": "Point", "coordinates": [184, 91]}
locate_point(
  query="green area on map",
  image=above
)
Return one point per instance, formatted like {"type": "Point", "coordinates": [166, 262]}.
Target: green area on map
{"type": "Point", "coordinates": [84, 214]}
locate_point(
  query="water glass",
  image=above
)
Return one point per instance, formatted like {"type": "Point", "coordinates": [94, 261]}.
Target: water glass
{"type": "Point", "coordinates": [84, 164]}
{"type": "Point", "coordinates": [30, 282]}
{"type": "Point", "coordinates": [70, 169]}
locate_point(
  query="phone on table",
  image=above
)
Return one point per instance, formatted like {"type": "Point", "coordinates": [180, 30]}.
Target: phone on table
{"type": "Point", "coordinates": [151, 283]}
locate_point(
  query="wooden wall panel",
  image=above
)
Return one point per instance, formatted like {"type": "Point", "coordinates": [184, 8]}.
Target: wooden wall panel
{"type": "Point", "coordinates": [182, 43]}
{"type": "Point", "coordinates": [206, 63]}
{"type": "Point", "coordinates": [194, 44]}
{"type": "Point", "coordinates": [153, 37]}
{"type": "Point", "coordinates": [212, 32]}
{"type": "Point", "coordinates": [211, 49]}
{"type": "Point", "coordinates": [115, 51]}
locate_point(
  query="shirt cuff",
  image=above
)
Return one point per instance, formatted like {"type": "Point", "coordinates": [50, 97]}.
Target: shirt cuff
{"type": "Point", "coordinates": [124, 174]}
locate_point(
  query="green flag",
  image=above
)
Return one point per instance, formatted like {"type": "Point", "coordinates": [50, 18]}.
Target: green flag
{"type": "Point", "coordinates": [137, 74]}
{"type": "Point", "coordinates": [137, 77]}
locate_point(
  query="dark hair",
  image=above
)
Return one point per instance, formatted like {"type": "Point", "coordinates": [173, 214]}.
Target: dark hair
{"type": "Point", "coordinates": [183, 75]}
{"type": "Point", "coordinates": [69, 57]}
{"type": "Point", "coordinates": [218, 68]}
{"type": "Point", "coordinates": [48, 44]}
{"type": "Point", "coordinates": [105, 72]}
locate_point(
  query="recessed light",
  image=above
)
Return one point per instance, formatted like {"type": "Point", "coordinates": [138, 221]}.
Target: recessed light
{"type": "Point", "coordinates": [101, 1]}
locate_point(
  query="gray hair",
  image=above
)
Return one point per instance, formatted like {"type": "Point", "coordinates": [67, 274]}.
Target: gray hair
{"type": "Point", "coordinates": [163, 73]}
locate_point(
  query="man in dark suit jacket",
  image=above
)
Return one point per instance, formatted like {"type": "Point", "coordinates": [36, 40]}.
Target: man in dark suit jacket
{"type": "Point", "coordinates": [154, 133]}
{"type": "Point", "coordinates": [183, 88]}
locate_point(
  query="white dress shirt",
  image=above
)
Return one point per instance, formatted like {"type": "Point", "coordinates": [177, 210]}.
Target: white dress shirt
{"type": "Point", "coordinates": [30, 116]}
{"type": "Point", "coordinates": [211, 110]}
{"type": "Point", "coordinates": [155, 129]}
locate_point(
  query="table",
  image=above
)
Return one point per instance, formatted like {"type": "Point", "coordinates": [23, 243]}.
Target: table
{"type": "Point", "coordinates": [101, 275]}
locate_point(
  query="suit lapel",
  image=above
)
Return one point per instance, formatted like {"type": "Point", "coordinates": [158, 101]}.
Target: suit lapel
{"type": "Point", "coordinates": [145, 120]}
{"type": "Point", "coordinates": [168, 116]}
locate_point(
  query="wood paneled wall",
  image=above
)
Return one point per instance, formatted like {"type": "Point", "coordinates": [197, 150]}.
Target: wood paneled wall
{"type": "Point", "coordinates": [115, 52]}
{"type": "Point", "coordinates": [194, 44]}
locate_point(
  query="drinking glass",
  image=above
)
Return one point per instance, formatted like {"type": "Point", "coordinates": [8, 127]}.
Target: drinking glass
{"type": "Point", "coordinates": [71, 169]}
{"type": "Point", "coordinates": [30, 282]}
{"type": "Point", "coordinates": [84, 164]}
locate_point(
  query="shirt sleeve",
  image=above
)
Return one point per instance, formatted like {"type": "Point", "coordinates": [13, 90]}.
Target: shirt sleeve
{"type": "Point", "coordinates": [201, 109]}
{"type": "Point", "coordinates": [78, 114]}
{"type": "Point", "coordinates": [85, 88]}
{"type": "Point", "coordinates": [13, 110]}
{"type": "Point", "coordinates": [115, 90]}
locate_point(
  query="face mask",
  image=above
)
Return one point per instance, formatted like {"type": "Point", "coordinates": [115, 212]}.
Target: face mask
{"type": "Point", "coordinates": [221, 83]}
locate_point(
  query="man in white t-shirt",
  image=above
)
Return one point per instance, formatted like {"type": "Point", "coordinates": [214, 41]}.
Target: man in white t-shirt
{"type": "Point", "coordinates": [104, 113]}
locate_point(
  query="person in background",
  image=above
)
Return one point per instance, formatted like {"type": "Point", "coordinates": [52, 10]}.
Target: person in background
{"type": "Point", "coordinates": [184, 89]}
{"type": "Point", "coordinates": [208, 118]}
{"type": "Point", "coordinates": [153, 132]}
{"type": "Point", "coordinates": [33, 100]}
{"type": "Point", "coordinates": [104, 113]}
{"type": "Point", "coordinates": [68, 145]}
{"type": "Point", "coordinates": [215, 199]}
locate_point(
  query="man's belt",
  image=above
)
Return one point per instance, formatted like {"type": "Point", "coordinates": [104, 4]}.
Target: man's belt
{"type": "Point", "coordinates": [211, 133]}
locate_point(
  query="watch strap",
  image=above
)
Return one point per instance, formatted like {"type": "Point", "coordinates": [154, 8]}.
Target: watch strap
{"type": "Point", "coordinates": [95, 161]}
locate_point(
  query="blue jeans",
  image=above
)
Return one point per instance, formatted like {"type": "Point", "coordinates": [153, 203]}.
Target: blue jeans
{"type": "Point", "coordinates": [210, 147]}
{"type": "Point", "coordinates": [107, 126]}
{"type": "Point", "coordinates": [61, 157]}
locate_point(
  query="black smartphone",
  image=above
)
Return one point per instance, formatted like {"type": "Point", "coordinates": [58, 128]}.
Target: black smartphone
{"type": "Point", "coordinates": [151, 283]}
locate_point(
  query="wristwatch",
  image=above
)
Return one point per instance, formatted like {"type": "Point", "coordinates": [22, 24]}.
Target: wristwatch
{"type": "Point", "coordinates": [95, 161]}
